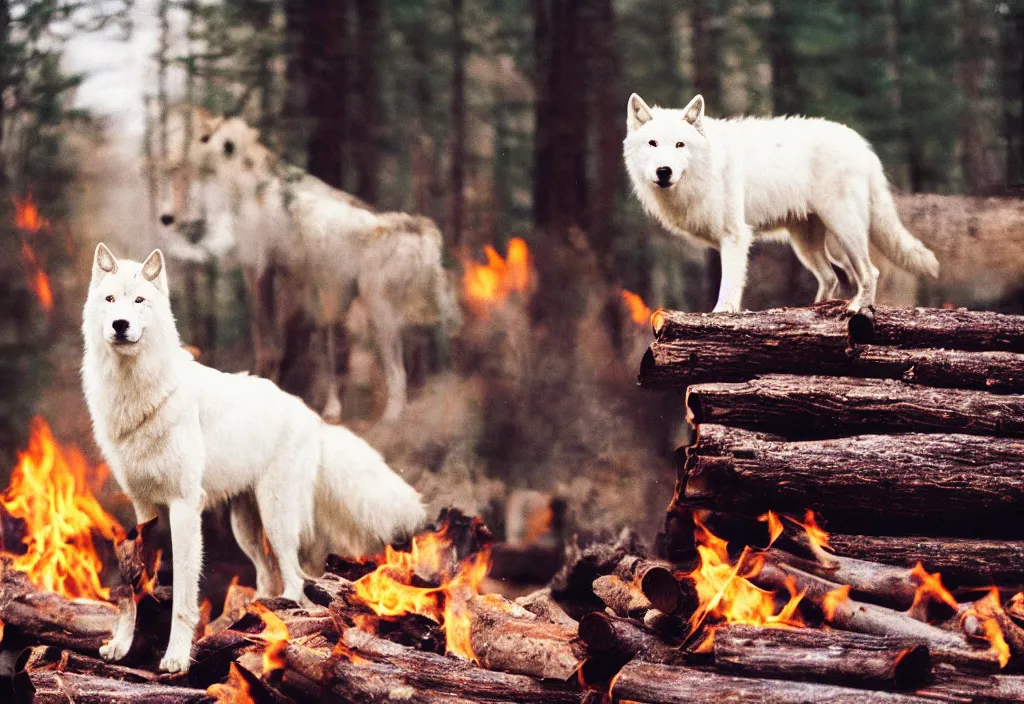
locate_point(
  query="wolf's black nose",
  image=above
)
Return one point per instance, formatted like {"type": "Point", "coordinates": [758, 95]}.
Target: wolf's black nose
{"type": "Point", "coordinates": [663, 173]}
{"type": "Point", "coordinates": [120, 326]}
{"type": "Point", "coordinates": [166, 219]}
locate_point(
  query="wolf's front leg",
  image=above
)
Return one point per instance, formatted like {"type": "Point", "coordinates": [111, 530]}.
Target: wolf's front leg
{"type": "Point", "coordinates": [735, 250]}
{"type": "Point", "coordinates": [187, 544]}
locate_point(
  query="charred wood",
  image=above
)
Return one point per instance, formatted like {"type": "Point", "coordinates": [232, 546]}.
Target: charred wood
{"type": "Point", "coordinates": [835, 657]}
{"type": "Point", "coordinates": [951, 483]}
{"type": "Point", "coordinates": [818, 406]}
{"type": "Point", "coordinates": [623, 639]}
{"type": "Point", "coordinates": [667, 684]}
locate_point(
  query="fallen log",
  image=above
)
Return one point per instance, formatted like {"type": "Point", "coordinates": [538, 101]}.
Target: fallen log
{"type": "Point", "coordinates": [51, 657]}
{"type": "Point", "coordinates": [1001, 372]}
{"type": "Point", "coordinates": [653, 683]}
{"type": "Point", "coordinates": [507, 637]}
{"type": "Point", "coordinates": [961, 561]}
{"type": "Point", "coordinates": [623, 639]}
{"type": "Point", "coordinates": [367, 668]}
{"type": "Point", "coordinates": [585, 562]}
{"type": "Point", "coordinates": [236, 601]}
{"type": "Point", "coordinates": [656, 582]}
{"type": "Point", "coordinates": [53, 687]}
{"type": "Point", "coordinates": [833, 657]}
{"type": "Point", "coordinates": [953, 685]}
{"type": "Point", "coordinates": [623, 598]}
{"type": "Point", "coordinates": [818, 406]}
{"type": "Point", "coordinates": [958, 329]}
{"type": "Point", "coordinates": [955, 484]}
{"type": "Point", "coordinates": [850, 615]}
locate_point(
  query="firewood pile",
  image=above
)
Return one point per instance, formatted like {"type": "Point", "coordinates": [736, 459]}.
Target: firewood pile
{"type": "Point", "coordinates": [892, 427]}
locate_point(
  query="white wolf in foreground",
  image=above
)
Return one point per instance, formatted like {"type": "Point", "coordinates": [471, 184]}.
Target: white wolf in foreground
{"type": "Point", "coordinates": [281, 212]}
{"type": "Point", "coordinates": [722, 181]}
{"type": "Point", "coordinates": [180, 435]}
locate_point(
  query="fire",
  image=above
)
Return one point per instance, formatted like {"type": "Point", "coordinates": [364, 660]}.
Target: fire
{"type": "Point", "coordinates": [929, 588]}
{"type": "Point", "coordinates": [274, 635]}
{"type": "Point", "coordinates": [638, 310]}
{"type": "Point", "coordinates": [774, 526]}
{"type": "Point", "coordinates": [389, 589]}
{"type": "Point", "coordinates": [833, 599]}
{"type": "Point", "coordinates": [987, 610]}
{"type": "Point", "coordinates": [487, 285]}
{"type": "Point", "coordinates": [234, 691]}
{"type": "Point", "coordinates": [30, 222]}
{"type": "Point", "coordinates": [726, 595]}
{"type": "Point", "coordinates": [49, 491]}
{"type": "Point", "coordinates": [815, 534]}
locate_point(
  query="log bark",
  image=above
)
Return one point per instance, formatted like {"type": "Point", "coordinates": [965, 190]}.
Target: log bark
{"type": "Point", "coordinates": [959, 329]}
{"type": "Point", "coordinates": [666, 684]}
{"type": "Point", "coordinates": [962, 562]}
{"type": "Point", "coordinates": [834, 657]}
{"type": "Point", "coordinates": [850, 615]}
{"type": "Point", "coordinates": [544, 605]}
{"type": "Point", "coordinates": [952, 484]}
{"type": "Point", "coordinates": [818, 406]}
{"type": "Point", "coordinates": [655, 580]}
{"type": "Point", "coordinates": [51, 657]}
{"type": "Point", "coordinates": [624, 639]}
{"type": "Point", "coordinates": [507, 637]}
{"type": "Point", "coordinates": [953, 685]}
{"type": "Point", "coordinates": [624, 598]}
{"type": "Point", "coordinates": [372, 669]}
{"type": "Point", "coordinates": [586, 562]}
{"type": "Point", "coordinates": [52, 687]}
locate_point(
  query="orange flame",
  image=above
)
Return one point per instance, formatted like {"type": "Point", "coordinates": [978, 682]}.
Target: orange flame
{"type": "Point", "coordinates": [234, 691]}
{"type": "Point", "coordinates": [30, 222]}
{"type": "Point", "coordinates": [833, 599]}
{"type": "Point", "coordinates": [638, 310]}
{"type": "Point", "coordinates": [815, 533]}
{"type": "Point", "coordinates": [488, 285]}
{"type": "Point", "coordinates": [724, 592]}
{"type": "Point", "coordinates": [774, 526]}
{"type": "Point", "coordinates": [986, 609]}
{"type": "Point", "coordinates": [388, 590]}
{"type": "Point", "coordinates": [49, 491]}
{"type": "Point", "coordinates": [274, 635]}
{"type": "Point", "coordinates": [929, 588]}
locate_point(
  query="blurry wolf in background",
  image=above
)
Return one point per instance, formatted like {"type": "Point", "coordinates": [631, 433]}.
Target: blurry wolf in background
{"type": "Point", "coordinates": [264, 210]}
{"type": "Point", "coordinates": [184, 436]}
{"type": "Point", "coordinates": [722, 181]}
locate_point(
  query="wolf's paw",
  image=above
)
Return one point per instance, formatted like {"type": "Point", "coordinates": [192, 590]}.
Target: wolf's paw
{"type": "Point", "coordinates": [115, 649]}
{"type": "Point", "coordinates": [726, 308]}
{"type": "Point", "coordinates": [176, 662]}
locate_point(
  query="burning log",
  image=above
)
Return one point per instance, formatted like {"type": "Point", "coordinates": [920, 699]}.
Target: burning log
{"type": "Point", "coordinates": [960, 561]}
{"type": "Point", "coordinates": [845, 613]}
{"type": "Point", "coordinates": [654, 579]}
{"type": "Point", "coordinates": [507, 637]}
{"type": "Point", "coordinates": [585, 563]}
{"type": "Point", "coordinates": [50, 657]}
{"type": "Point", "coordinates": [834, 657]}
{"type": "Point", "coordinates": [53, 687]}
{"type": "Point", "coordinates": [820, 406]}
{"type": "Point", "coordinates": [953, 483]}
{"type": "Point", "coordinates": [653, 683]}
{"type": "Point", "coordinates": [368, 668]}
{"type": "Point", "coordinates": [236, 601]}
{"type": "Point", "coordinates": [959, 329]}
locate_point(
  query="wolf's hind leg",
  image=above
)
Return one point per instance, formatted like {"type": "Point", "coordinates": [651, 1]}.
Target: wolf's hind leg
{"type": "Point", "coordinates": [285, 501]}
{"type": "Point", "coordinates": [808, 240]}
{"type": "Point", "coordinates": [248, 530]}
{"type": "Point", "coordinates": [848, 237]}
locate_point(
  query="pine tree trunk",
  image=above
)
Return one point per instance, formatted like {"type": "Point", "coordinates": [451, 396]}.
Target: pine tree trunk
{"type": "Point", "coordinates": [456, 214]}
{"type": "Point", "coordinates": [972, 142]}
{"type": "Point", "coordinates": [366, 129]}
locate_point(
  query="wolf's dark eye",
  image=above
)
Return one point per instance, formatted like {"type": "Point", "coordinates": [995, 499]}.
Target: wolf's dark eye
{"type": "Point", "coordinates": [679, 145]}
{"type": "Point", "coordinates": [205, 138]}
{"type": "Point", "coordinates": [140, 299]}
{"type": "Point", "coordinates": [653, 143]}
{"type": "Point", "coordinates": [229, 147]}
{"type": "Point", "coordinates": [109, 299]}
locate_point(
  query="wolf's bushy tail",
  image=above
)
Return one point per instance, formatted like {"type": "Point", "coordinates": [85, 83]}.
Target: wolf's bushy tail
{"type": "Point", "coordinates": [361, 503]}
{"type": "Point", "coordinates": [889, 234]}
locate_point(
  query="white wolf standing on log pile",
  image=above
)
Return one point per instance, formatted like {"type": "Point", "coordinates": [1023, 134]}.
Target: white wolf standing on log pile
{"type": "Point", "coordinates": [279, 212]}
{"type": "Point", "coordinates": [722, 181]}
{"type": "Point", "coordinates": [184, 436]}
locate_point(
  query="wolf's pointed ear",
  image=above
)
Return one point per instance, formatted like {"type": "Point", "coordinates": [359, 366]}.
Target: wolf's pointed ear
{"type": "Point", "coordinates": [153, 270]}
{"type": "Point", "coordinates": [637, 112]}
{"type": "Point", "coordinates": [694, 111]}
{"type": "Point", "coordinates": [103, 262]}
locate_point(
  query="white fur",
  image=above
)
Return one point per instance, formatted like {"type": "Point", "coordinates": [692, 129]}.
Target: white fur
{"type": "Point", "coordinates": [728, 180]}
{"type": "Point", "coordinates": [277, 211]}
{"type": "Point", "coordinates": [180, 435]}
